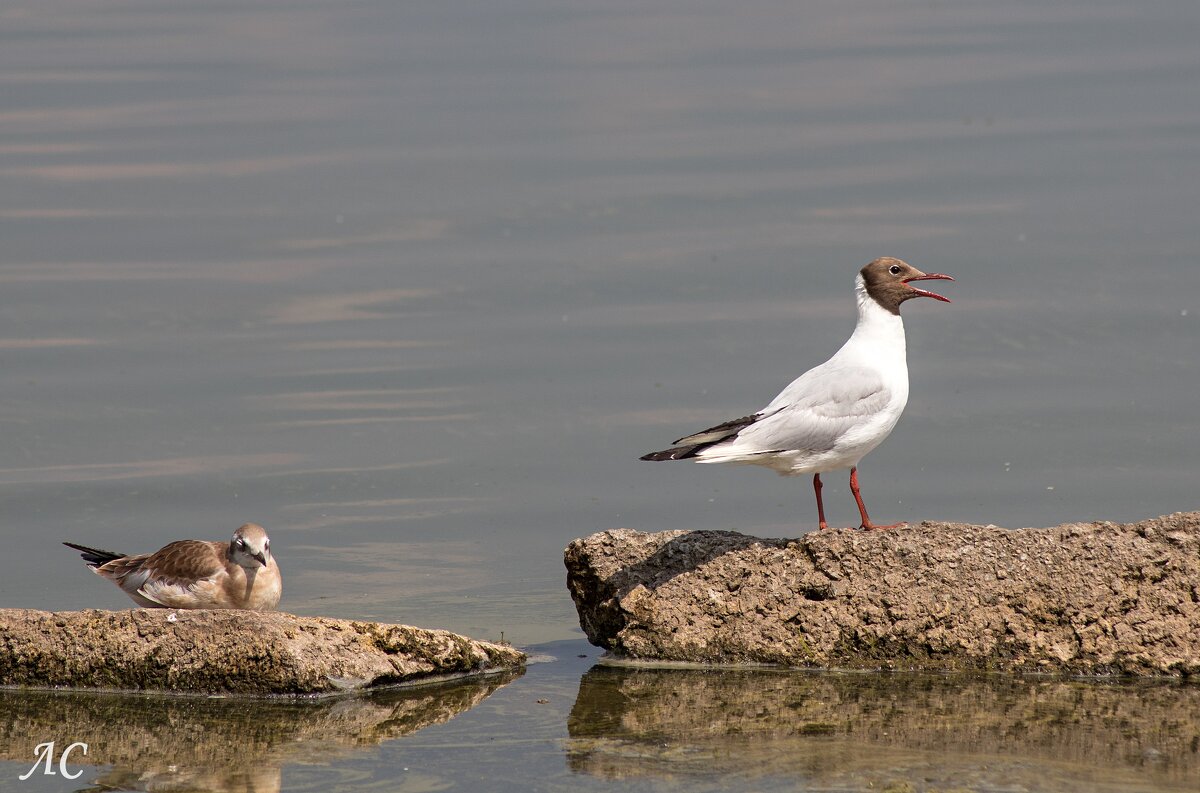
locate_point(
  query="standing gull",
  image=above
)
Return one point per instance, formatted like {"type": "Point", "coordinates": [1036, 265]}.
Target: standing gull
{"type": "Point", "coordinates": [195, 574]}
{"type": "Point", "coordinates": [833, 414]}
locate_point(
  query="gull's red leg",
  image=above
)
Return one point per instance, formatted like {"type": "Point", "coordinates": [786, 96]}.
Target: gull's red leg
{"type": "Point", "coordinates": [862, 508]}
{"type": "Point", "coordinates": [820, 507]}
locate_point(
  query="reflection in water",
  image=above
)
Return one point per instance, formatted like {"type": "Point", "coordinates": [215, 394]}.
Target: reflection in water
{"type": "Point", "coordinates": [911, 732]}
{"type": "Point", "coordinates": [213, 744]}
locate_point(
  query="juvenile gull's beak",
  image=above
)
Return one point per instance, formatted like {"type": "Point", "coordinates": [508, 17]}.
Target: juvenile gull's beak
{"type": "Point", "coordinates": [262, 557]}
{"type": "Point", "coordinates": [929, 277]}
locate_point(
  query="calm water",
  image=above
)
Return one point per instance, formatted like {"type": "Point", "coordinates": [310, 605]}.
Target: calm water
{"type": "Point", "coordinates": [565, 726]}
{"type": "Point", "coordinates": [413, 285]}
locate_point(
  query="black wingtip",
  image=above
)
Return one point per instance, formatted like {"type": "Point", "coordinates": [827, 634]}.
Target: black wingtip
{"type": "Point", "coordinates": [677, 453]}
{"type": "Point", "coordinates": [697, 442]}
{"type": "Point", "coordinates": [94, 557]}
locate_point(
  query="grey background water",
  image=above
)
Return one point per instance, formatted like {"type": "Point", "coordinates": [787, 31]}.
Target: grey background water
{"type": "Point", "coordinates": [414, 285]}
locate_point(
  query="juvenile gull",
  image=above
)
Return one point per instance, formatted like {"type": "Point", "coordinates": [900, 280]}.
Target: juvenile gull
{"type": "Point", "coordinates": [196, 574]}
{"type": "Point", "coordinates": [834, 414]}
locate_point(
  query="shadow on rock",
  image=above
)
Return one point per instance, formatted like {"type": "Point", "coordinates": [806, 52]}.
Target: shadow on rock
{"type": "Point", "coordinates": [157, 743]}
{"type": "Point", "coordinates": [604, 570]}
{"type": "Point", "coordinates": [901, 731]}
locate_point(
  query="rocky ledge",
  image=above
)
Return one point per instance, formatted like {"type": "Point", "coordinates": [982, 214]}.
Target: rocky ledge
{"type": "Point", "coordinates": [230, 652]}
{"type": "Point", "coordinates": [1081, 598]}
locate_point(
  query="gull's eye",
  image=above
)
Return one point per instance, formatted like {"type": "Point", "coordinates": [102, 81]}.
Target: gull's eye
{"type": "Point", "coordinates": [894, 269]}
{"type": "Point", "coordinates": [241, 543]}
{"type": "Point", "coordinates": [267, 545]}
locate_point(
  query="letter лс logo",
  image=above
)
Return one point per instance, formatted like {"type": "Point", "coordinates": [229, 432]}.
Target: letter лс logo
{"type": "Point", "coordinates": [45, 753]}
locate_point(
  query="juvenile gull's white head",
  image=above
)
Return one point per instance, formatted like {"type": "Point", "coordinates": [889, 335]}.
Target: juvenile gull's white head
{"type": "Point", "coordinates": [250, 547]}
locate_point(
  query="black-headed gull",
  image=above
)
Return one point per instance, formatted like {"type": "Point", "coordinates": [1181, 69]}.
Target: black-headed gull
{"type": "Point", "coordinates": [196, 574]}
{"type": "Point", "coordinates": [831, 416]}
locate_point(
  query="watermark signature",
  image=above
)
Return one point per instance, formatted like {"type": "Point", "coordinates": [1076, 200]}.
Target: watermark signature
{"type": "Point", "coordinates": [45, 753]}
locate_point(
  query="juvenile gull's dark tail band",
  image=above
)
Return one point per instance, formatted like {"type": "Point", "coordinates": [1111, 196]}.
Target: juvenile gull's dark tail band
{"type": "Point", "coordinates": [94, 556]}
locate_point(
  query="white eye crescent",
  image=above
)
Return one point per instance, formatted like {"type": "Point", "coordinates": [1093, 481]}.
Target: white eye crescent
{"type": "Point", "coordinates": [894, 269]}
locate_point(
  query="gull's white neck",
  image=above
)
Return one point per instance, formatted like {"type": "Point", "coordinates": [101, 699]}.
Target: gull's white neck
{"type": "Point", "coordinates": [879, 334]}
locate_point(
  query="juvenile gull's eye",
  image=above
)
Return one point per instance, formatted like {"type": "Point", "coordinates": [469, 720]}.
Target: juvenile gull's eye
{"type": "Point", "coordinates": [894, 269]}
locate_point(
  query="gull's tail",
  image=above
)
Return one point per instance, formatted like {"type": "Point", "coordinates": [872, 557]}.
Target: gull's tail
{"type": "Point", "coordinates": [694, 444]}
{"type": "Point", "coordinates": [94, 557]}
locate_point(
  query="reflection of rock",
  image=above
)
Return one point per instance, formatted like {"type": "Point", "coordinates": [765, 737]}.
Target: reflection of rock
{"type": "Point", "coordinates": [839, 728]}
{"type": "Point", "coordinates": [158, 743]}
{"type": "Point", "coordinates": [1090, 598]}
{"type": "Point", "coordinates": [242, 652]}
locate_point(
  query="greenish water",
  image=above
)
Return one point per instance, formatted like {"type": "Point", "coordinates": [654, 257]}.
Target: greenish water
{"type": "Point", "coordinates": [569, 723]}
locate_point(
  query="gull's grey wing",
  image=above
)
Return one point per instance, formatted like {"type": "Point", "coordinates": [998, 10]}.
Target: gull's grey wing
{"type": "Point", "coordinates": [816, 410]}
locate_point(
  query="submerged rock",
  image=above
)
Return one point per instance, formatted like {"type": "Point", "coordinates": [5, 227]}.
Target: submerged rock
{"type": "Point", "coordinates": [1081, 598]}
{"type": "Point", "coordinates": [230, 652]}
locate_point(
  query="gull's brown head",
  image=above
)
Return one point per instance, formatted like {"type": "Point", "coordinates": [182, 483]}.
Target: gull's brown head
{"type": "Point", "coordinates": [889, 282]}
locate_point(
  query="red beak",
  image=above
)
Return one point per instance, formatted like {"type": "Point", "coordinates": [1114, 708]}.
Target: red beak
{"type": "Point", "coordinates": [929, 277]}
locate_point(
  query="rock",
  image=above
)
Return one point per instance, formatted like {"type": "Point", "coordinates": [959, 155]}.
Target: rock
{"type": "Point", "coordinates": [1081, 598]}
{"type": "Point", "coordinates": [230, 652]}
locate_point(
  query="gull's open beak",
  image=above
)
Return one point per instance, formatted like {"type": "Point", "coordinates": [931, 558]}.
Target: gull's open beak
{"type": "Point", "coordinates": [929, 277]}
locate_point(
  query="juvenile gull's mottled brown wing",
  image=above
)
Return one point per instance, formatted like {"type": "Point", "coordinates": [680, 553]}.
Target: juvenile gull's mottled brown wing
{"type": "Point", "coordinates": [182, 574]}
